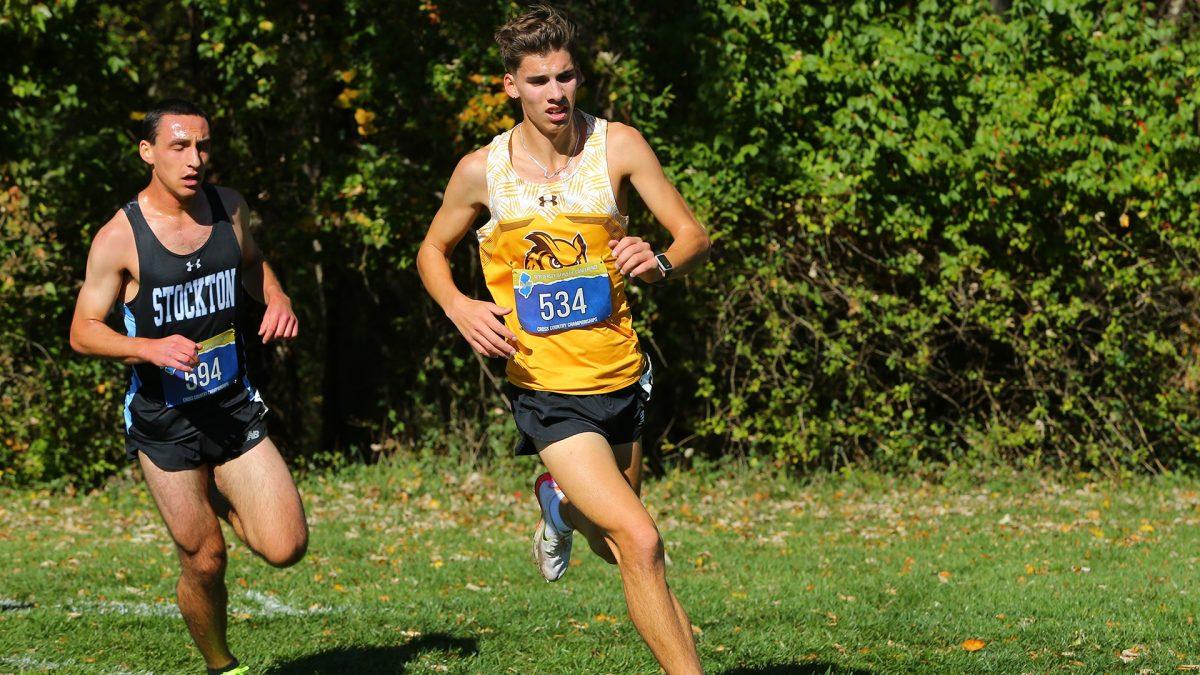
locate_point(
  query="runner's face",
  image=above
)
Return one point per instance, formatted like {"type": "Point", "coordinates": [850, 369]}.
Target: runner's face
{"type": "Point", "coordinates": [545, 84]}
{"type": "Point", "coordinates": [179, 153]}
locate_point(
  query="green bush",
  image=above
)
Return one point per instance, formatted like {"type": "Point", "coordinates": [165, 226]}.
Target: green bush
{"type": "Point", "coordinates": [942, 234]}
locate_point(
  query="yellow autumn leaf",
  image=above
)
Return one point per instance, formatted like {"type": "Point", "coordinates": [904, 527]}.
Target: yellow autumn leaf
{"type": "Point", "coordinates": [344, 99]}
{"type": "Point", "coordinates": [348, 75]}
{"type": "Point", "coordinates": [364, 116]}
{"type": "Point", "coordinates": [973, 644]}
{"type": "Point", "coordinates": [265, 25]}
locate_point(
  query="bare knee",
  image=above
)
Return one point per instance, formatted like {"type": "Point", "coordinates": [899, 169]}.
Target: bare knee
{"type": "Point", "coordinates": [206, 563]}
{"type": "Point", "coordinates": [640, 547]}
{"type": "Point", "coordinates": [285, 551]}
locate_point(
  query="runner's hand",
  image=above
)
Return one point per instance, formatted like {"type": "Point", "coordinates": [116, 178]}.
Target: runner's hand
{"type": "Point", "coordinates": [635, 258]}
{"type": "Point", "coordinates": [173, 351]}
{"type": "Point", "coordinates": [477, 322]}
{"type": "Point", "coordinates": [279, 321]}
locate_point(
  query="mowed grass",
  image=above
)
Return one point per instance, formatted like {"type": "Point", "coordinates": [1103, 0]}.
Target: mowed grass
{"type": "Point", "coordinates": [423, 567]}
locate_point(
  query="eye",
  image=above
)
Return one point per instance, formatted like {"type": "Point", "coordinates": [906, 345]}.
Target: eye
{"type": "Point", "coordinates": [555, 263]}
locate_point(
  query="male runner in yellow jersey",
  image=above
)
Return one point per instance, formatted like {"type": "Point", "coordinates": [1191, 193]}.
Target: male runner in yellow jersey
{"type": "Point", "coordinates": [557, 260]}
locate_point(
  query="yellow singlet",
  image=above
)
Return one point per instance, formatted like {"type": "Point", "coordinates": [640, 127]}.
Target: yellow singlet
{"type": "Point", "coordinates": [545, 254]}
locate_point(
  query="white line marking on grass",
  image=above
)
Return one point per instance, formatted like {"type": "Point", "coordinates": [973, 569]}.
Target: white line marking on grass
{"type": "Point", "coordinates": [273, 606]}
{"type": "Point", "coordinates": [259, 605]}
{"type": "Point", "coordinates": [32, 663]}
{"type": "Point", "coordinates": [123, 608]}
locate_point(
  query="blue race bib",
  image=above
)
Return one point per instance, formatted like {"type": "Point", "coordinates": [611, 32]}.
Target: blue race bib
{"type": "Point", "coordinates": [562, 299]}
{"type": "Point", "coordinates": [218, 368]}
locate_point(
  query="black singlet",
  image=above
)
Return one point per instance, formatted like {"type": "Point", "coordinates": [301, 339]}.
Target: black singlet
{"type": "Point", "coordinates": [195, 296]}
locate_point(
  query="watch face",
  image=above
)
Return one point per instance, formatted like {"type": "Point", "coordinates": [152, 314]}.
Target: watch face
{"type": "Point", "coordinates": [664, 265]}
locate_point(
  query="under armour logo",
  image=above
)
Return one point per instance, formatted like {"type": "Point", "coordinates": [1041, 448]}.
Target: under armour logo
{"type": "Point", "coordinates": [190, 267]}
{"type": "Point", "coordinates": [553, 199]}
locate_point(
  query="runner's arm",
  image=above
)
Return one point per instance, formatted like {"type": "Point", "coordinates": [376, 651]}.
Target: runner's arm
{"type": "Point", "coordinates": [102, 284]}
{"type": "Point", "coordinates": [477, 320]}
{"type": "Point", "coordinates": [259, 280]}
{"type": "Point", "coordinates": [690, 243]}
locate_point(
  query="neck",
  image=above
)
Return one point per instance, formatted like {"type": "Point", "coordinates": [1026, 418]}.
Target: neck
{"type": "Point", "coordinates": [164, 202]}
{"type": "Point", "coordinates": [550, 146]}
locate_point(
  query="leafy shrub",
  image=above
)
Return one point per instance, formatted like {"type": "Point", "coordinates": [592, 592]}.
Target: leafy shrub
{"type": "Point", "coordinates": [941, 233]}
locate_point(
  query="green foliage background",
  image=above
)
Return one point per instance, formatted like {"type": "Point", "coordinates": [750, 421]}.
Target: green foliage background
{"type": "Point", "coordinates": [942, 233]}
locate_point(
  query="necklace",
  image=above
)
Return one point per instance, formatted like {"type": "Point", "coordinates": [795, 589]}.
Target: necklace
{"type": "Point", "coordinates": [564, 170]}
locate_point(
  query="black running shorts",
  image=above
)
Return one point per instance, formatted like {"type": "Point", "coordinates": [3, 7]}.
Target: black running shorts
{"type": "Point", "coordinates": [544, 417]}
{"type": "Point", "coordinates": [213, 434]}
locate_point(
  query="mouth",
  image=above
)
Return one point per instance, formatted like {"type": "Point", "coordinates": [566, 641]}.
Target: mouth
{"type": "Point", "coordinates": [192, 180]}
{"type": "Point", "coordinates": [558, 114]}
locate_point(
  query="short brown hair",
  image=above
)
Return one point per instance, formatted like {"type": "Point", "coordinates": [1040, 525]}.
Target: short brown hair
{"type": "Point", "coordinates": [540, 30]}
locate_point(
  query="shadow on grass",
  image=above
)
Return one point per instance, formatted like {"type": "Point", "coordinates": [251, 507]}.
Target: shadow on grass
{"type": "Point", "coordinates": [376, 659]}
{"type": "Point", "coordinates": [796, 669]}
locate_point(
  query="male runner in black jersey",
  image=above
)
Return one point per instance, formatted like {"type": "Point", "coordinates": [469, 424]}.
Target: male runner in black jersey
{"type": "Point", "coordinates": [175, 257]}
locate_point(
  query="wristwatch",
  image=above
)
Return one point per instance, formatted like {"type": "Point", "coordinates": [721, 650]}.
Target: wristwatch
{"type": "Point", "coordinates": [664, 265]}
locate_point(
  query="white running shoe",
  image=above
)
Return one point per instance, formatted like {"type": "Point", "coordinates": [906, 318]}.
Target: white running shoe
{"type": "Point", "coordinates": [551, 550]}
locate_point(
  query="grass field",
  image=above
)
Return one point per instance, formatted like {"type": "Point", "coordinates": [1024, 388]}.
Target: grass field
{"type": "Point", "coordinates": [414, 567]}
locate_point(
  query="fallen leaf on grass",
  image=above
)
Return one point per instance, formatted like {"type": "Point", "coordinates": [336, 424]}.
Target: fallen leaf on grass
{"type": "Point", "coordinates": [944, 577]}
{"type": "Point", "coordinates": [1189, 666]}
{"type": "Point", "coordinates": [973, 645]}
{"type": "Point", "coordinates": [1132, 654]}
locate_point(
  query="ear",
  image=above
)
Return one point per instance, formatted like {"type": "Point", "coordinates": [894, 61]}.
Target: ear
{"type": "Point", "coordinates": [510, 86]}
{"type": "Point", "coordinates": [146, 151]}
{"type": "Point", "coordinates": [578, 243]}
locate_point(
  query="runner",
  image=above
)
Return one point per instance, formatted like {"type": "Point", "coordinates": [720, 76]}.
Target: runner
{"type": "Point", "coordinates": [175, 257]}
{"type": "Point", "coordinates": [557, 260]}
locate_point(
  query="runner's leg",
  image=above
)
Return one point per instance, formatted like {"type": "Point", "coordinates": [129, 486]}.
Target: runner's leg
{"type": "Point", "coordinates": [182, 500]}
{"type": "Point", "coordinates": [265, 508]}
{"type": "Point", "coordinates": [603, 501]}
{"type": "Point", "coordinates": [629, 460]}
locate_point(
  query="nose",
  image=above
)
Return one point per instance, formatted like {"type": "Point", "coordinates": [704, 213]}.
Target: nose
{"type": "Point", "coordinates": [555, 91]}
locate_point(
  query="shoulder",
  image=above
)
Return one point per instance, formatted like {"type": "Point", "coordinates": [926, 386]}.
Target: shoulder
{"type": "Point", "coordinates": [114, 240]}
{"type": "Point", "coordinates": [625, 137]}
{"type": "Point", "coordinates": [469, 182]}
{"type": "Point", "coordinates": [231, 199]}
{"type": "Point", "coordinates": [116, 233]}
{"type": "Point", "coordinates": [627, 148]}
{"type": "Point", "coordinates": [473, 165]}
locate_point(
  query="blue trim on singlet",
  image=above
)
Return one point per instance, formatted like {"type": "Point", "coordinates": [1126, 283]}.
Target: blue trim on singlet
{"type": "Point", "coordinates": [249, 387]}
{"type": "Point", "coordinates": [135, 382]}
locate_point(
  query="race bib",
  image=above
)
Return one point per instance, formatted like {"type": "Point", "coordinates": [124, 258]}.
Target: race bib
{"type": "Point", "coordinates": [218, 368]}
{"type": "Point", "coordinates": [571, 297]}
